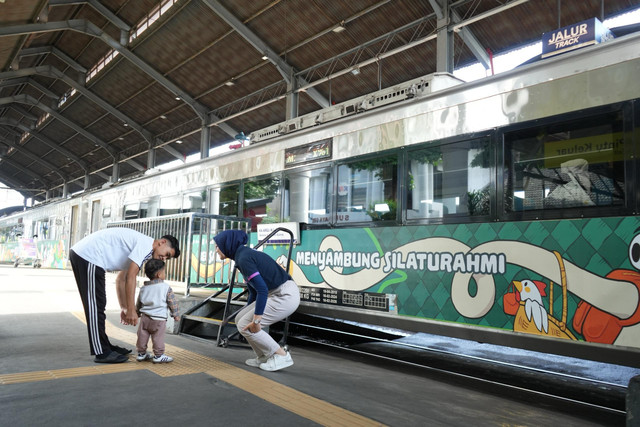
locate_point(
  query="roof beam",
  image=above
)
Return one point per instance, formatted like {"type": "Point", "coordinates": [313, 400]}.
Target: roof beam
{"type": "Point", "coordinates": [29, 100]}
{"type": "Point", "coordinates": [26, 99]}
{"type": "Point", "coordinates": [52, 72]}
{"type": "Point", "coordinates": [19, 186]}
{"type": "Point", "coordinates": [47, 141]}
{"type": "Point", "coordinates": [283, 67]}
{"type": "Point", "coordinates": [26, 114]}
{"type": "Point", "coordinates": [175, 153]}
{"type": "Point", "coordinates": [465, 33]}
{"type": "Point", "coordinates": [35, 158]}
{"type": "Point", "coordinates": [86, 27]}
{"type": "Point", "coordinates": [102, 9]}
{"type": "Point", "coordinates": [26, 80]}
{"type": "Point", "coordinates": [22, 169]}
{"type": "Point", "coordinates": [30, 51]}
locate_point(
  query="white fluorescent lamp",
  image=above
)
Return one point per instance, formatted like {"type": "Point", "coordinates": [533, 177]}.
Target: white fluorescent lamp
{"type": "Point", "coordinates": [339, 28]}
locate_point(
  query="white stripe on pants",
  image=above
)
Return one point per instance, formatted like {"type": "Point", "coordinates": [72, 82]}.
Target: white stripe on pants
{"type": "Point", "coordinates": [282, 302]}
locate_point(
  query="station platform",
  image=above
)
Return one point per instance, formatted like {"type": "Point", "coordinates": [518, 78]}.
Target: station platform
{"type": "Point", "coordinates": [48, 377]}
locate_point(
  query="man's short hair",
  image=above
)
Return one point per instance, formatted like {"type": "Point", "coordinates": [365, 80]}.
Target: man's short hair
{"type": "Point", "coordinates": [152, 267]}
{"type": "Point", "coordinates": [173, 242]}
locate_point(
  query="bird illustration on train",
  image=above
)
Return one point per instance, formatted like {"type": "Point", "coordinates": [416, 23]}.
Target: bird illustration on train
{"type": "Point", "coordinates": [530, 292]}
{"type": "Point", "coordinates": [591, 320]}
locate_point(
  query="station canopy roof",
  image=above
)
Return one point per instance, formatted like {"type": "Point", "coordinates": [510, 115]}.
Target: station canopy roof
{"type": "Point", "coordinates": [88, 84]}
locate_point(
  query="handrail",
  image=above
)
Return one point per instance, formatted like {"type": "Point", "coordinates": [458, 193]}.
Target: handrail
{"type": "Point", "coordinates": [194, 232]}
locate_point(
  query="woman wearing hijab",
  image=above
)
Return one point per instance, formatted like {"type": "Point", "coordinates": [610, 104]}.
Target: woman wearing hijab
{"type": "Point", "coordinates": [273, 296]}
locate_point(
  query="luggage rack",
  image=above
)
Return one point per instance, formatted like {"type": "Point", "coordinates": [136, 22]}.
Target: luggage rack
{"type": "Point", "coordinates": [212, 318]}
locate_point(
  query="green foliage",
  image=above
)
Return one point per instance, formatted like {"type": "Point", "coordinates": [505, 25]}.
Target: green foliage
{"type": "Point", "coordinates": [478, 202]}
{"type": "Point", "coordinates": [382, 216]}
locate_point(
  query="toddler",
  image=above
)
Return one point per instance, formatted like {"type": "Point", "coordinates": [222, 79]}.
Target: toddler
{"type": "Point", "coordinates": [153, 300]}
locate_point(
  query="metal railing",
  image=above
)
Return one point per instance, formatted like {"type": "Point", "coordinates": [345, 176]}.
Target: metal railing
{"type": "Point", "coordinates": [198, 262]}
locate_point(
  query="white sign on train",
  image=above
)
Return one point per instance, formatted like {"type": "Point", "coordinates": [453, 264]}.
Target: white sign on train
{"type": "Point", "coordinates": [281, 237]}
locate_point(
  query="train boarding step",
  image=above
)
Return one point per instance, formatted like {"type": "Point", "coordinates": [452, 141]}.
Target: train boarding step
{"type": "Point", "coordinates": [212, 318]}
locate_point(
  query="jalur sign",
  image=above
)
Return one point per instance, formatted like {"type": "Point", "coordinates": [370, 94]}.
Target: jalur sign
{"type": "Point", "coordinates": [582, 34]}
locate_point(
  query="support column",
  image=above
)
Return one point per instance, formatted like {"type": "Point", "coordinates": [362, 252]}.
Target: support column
{"type": "Point", "coordinates": [65, 190]}
{"type": "Point", "coordinates": [151, 158]}
{"type": "Point", "coordinates": [205, 135]}
{"type": "Point", "coordinates": [47, 195]}
{"type": "Point", "coordinates": [115, 172]}
{"type": "Point", "coordinates": [87, 182]}
{"type": "Point", "coordinates": [292, 99]}
{"type": "Point", "coordinates": [444, 43]}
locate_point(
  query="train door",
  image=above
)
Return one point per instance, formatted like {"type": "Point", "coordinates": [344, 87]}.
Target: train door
{"type": "Point", "coordinates": [96, 216]}
{"type": "Point", "coordinates": [75, 218]}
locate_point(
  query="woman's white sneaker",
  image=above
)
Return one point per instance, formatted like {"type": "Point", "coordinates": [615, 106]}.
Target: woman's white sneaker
{"type": "Point", "coordinates": [277, 362]}
{"type": "Point", "coordinates": [255, 362]}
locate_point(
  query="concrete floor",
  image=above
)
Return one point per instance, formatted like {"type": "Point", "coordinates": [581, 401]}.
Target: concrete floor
{"type": "Point", "coordinates": [47, 377]}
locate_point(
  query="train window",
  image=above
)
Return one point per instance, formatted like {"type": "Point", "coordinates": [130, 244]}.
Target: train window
{"type": "Point", "coordinates": [132, 211]}
{"type": "Point", "coordinates": [310, 195]}
{"type": "Point", "coordinates": [262, 201]}
{"type": "Point", "coordinates": [170, 205]}
{"type": "Point", "coordinates": [446, 180]}
{"type": "Point", "coordinates": [367, 190]}
{"type": "Point", "coordinates": [194, 202]}
{"type": "Point", "coordinates": [569, 165]}
{"type": "Point", "coordinates": [224, 200]}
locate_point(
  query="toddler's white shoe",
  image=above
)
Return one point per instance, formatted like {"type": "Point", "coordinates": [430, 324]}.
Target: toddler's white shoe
{"type": "Point", "coordinates": [162, 359]}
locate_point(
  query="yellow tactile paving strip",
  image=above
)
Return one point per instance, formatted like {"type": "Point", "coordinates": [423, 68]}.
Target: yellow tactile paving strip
{"type": "Point", "coordinates": [188, 362]}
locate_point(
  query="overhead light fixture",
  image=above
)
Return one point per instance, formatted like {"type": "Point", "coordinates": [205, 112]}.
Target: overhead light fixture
{"type": "Point", "coordinates": [178, 98]}
{"type": "Point", "coordinates": [125, 124]}
{"type": "Point", "coordinates": [230, 83]}
{"type": "Point", "coordinates": [355, 71]}
{"type": "Point", "coordinates": [119, 139]}
{"type": "Point", "coordinates": [179, 141]}
{"type": "Point", "coordinates": [163, 117]}
{"type": "Point", "coordinates": [265, 57]}
{"type": "Point", "coordinates": [339, 28]}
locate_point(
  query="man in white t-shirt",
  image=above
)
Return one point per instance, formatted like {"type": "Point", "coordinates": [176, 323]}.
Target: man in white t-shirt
{"type": "Point", "coordinates": [113, 249]}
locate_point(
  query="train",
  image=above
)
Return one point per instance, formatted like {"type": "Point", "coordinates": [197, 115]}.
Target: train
{"type": "Point", "coordinates": [503, 210]}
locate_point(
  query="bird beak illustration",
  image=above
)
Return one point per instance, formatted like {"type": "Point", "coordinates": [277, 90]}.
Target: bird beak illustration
{"type": "Point", "coordinates": [518, 285]}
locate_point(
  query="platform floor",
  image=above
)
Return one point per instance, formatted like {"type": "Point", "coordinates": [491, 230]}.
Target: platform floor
{"type": "Point", "coordinates": [47, 377]}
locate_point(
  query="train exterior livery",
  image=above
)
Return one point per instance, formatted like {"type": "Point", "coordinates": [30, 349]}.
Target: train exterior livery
{"type": "Point", "coordinates": [503, 210]}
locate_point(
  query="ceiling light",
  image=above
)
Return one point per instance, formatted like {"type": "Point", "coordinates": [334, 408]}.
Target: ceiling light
{"type": "Point", "coordinates": [178, 98]}
{"type": "Point", "coordinates": [119, 139]}
{"type": "Point", "coordinates": [340, 28]}
{"type": "Point", "coordinates": [125, 124]}
{"type": "Point", "coordinates": [229, 83]}
{"type": "Point", "coordinates": [179, 141]}
{"type": "Point", "coordinates": [163, 117]}
{"type": "Point", "coordinates": [355, 71]}
{"type": "Point", "coordinates": [265, 57]}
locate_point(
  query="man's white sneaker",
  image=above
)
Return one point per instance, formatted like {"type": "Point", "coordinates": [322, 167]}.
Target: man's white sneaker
{"type": "Point", "coordinates": [162, 359]}
{"type": "Point", "coordinates": [277, 362]}
{"type": "Point", "coordinates": [255, 362]}
{"type": "Point", "coordinates": [141, 357]}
